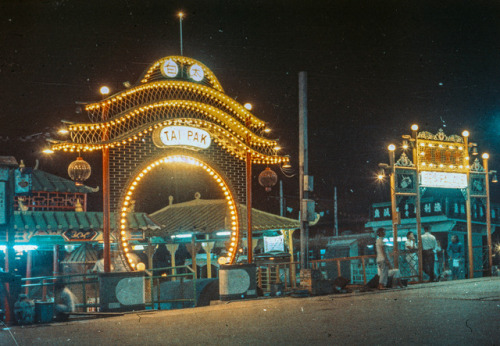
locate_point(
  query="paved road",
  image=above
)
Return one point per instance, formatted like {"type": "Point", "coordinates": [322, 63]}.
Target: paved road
{"type": "Point", "coordinates": [463, 312]}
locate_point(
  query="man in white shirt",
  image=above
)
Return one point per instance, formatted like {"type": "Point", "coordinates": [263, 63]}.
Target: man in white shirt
{"type": "Point", "coordinates": [429, 244]}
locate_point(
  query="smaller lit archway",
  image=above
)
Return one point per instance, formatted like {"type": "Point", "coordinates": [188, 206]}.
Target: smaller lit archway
{"type": "Point", "coordinates": [185, 159]}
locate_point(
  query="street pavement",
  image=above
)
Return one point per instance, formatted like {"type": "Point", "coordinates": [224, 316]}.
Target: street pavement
{"type": "Point", "coordinates": [465, 312]}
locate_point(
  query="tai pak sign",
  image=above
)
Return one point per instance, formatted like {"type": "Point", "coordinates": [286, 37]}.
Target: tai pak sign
{"type": "Point", "coordinates": [184, 136]}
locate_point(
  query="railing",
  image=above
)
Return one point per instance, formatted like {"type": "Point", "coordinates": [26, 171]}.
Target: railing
{"type": "Point", "coordinates": [356, 268]}
{"type": "Point", "coordinates": [85, 287]}
{"type": "Point", "coordinates": [180, 274]}
{"type": "Point", "coordinates": [270, 274]}
{"type": "Point", "coordinates": [481, 259]}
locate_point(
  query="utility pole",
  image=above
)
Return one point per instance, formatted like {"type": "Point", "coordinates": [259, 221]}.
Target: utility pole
{"type": "Point", "coordinates": [336, 213]}
{"type": "Point", "coordinates": [303, 171]}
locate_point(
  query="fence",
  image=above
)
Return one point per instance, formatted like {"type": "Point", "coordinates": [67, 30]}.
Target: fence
{"type": "Point", "coordinates": [85, 287]}
{"type": "Point", "coordinates": [182, 276]}
{"type": "Point", "coordinates": [282, 274]}
{"type": "Point", "coordinates": [358, 269]}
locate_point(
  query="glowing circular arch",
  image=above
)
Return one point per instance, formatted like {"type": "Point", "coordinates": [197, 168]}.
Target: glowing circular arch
{"type": "Point", "coordinates": [186, 159]}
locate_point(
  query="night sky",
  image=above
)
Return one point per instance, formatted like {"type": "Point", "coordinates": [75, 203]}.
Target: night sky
{"type": "Point", "coordinates": [374, 68]}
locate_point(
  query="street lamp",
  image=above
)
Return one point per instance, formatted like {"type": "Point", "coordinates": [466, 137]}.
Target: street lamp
{"type": "Point", "coordinates": [487, 173]}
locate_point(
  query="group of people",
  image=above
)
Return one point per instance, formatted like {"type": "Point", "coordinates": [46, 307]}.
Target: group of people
{"type": "Point", "coordinates": [430, 250]}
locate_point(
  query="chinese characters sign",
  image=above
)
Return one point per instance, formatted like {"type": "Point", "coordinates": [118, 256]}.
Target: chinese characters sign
{"type": "Point", "coordinates": [441, 156]}
{"type": "Point", "coordinates": [443, 180]}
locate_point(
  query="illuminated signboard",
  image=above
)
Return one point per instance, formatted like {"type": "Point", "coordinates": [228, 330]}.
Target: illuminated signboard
{"type": "Point", "coordinates": [181, 136]}
{"type": "Point", "coordinates": [169, 68]}
{"type": "Point", "coordinates": [444, 180]}
{"type": "Point", "coordinates": [196, 72]}
{"type": "Point", "coordinates": [441, 153]}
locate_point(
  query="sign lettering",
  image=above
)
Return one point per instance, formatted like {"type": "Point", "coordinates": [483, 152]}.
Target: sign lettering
{"type": "Point", "coordinates": [182, 136]}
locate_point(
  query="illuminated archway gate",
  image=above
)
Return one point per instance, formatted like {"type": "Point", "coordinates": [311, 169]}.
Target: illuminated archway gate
{"type": "Point", "coordinates": [177, 109]}
{"type": "Point", "coordinates": [136, 178]}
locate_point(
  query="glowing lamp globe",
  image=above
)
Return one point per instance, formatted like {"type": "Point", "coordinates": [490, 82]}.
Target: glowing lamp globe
{"type": "Point", "coordinates": [268, 178]}
{"type": "Point", "coordinates": [79, 171]}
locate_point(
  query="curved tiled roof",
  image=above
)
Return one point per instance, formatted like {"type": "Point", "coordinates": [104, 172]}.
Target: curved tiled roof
{"type": "Point", "coordinates": [65, 220]}
{"type": "Point", "coordinates": [207, 216]}
{"type": "Point", "coordinates": [43, 181]}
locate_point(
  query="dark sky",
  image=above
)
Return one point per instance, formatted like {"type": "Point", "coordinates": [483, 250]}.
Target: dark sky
{"type": "Point", "coordinates": [374, 68]}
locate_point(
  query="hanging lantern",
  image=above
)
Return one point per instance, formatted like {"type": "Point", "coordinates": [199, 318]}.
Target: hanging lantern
{"type": "Point", "coordinates": [79, 171]}
{"type": "Point", "coordinates": [268, 178]}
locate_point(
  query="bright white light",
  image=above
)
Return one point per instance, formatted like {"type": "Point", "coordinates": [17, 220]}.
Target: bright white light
{"type": "Point", "coordinates": [248, 106]}
{"type": "Point", "coordinates": [104, 90]}
{"type": "Point", "coordinates": [223, 233]}
{"type": "Point", "coordinates": [138, 247]}
{"type": "Point", "coordinates": [179, 236]}
{"type": "Point", "coordinates": [20, 247]}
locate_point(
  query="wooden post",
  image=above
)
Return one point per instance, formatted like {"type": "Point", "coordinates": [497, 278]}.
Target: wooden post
{"type": "Point", "coordinates": [172, 248]}
{"type": "Point", "coordinates": [208, 246]}
{"type": "Point", "coordinates": [29, 264]}
{"type": "Point", "coordinates": [55, 264]}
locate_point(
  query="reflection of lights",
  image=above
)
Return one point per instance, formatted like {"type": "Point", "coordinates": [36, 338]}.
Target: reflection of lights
{"type": "Point", "coordinates": [18, 248]}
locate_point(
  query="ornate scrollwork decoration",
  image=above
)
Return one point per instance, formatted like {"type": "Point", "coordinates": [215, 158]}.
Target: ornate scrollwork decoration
{"type": "Point", "coordinates": [404, 161]}
{"type": "Point", "coordinates": [440, 136]}
{"type": "Point", "coordinates": [476, 166]}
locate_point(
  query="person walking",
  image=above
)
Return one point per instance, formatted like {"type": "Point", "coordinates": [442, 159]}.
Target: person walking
{"type": "Point", "coordinates": [383, 262]}
{"type": "Point", "coordinates": [429, 244]}
{"type": "Point", "coordinates": [456, 256]}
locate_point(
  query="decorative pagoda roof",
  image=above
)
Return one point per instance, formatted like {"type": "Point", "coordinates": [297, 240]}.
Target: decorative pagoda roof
{"type": "Point", "coordinates": [161, 99]}
{"type": "Point", "coordinates": [43, 181]}
{"type": "Point", "coordinates": [207, 216]}
{"type": "Point", "coordinates": [70, 220]}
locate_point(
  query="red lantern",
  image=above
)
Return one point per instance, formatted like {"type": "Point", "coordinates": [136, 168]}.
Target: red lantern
{"type": "Point", "coordinates": [79, 171]}
{"type": "Point", "coordinates": [268, 178]}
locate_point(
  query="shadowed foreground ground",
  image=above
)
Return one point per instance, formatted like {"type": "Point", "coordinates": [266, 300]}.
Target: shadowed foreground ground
{"type": "Point", "coordinates": [449, 313]}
